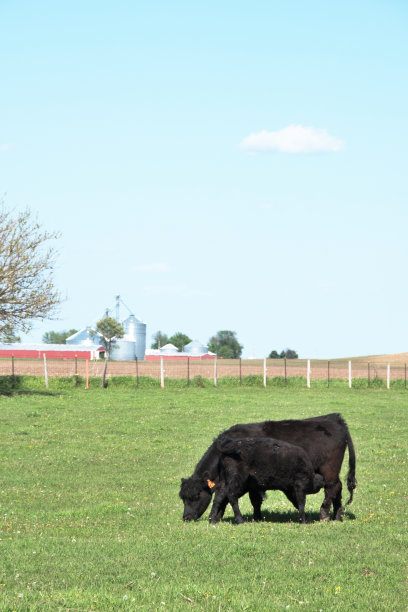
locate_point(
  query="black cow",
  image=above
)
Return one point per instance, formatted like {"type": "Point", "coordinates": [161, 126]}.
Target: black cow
{"type": "Point", "coordinates": [324, 439]}
{"type": "Point", "coordinates": [257, 465]}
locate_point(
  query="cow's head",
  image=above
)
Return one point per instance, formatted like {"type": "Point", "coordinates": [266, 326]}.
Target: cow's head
{"type": "Point", "coordinates": [196, 495]}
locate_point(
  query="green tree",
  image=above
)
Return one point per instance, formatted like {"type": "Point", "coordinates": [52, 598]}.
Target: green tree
{"type": "Point", "coordinates": [26, 272]}
{"type": "Point", "coordinates": [9, 337]}
{"type": "Point", "coordinates": [159, 340]}
{"type": "Point", "coordinates": [286, 353]}
{"type": "Point", "coordinates": [107, 331]}
{"type": "Point", "coordinates": [180, 340]}
{"type": "Point", "coordinates": [225, 344]}
{"type": "Point", "coordinates": [53, 337]}
{"type": "Point", "coordinates": [225, 352]}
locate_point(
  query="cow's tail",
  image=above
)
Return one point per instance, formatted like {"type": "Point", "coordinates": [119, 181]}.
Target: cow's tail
{"type": "Point", "coordinates": [351, 476]}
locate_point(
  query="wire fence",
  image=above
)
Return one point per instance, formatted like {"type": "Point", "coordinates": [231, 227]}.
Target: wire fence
{"type": "Point", "coordinates": [213, 369]}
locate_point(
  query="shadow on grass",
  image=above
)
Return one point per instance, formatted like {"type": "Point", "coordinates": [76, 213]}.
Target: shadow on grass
{"type": "Point", "coordinates": [10, 386]}
{"type": "Point", "coordinates": [291, 516]}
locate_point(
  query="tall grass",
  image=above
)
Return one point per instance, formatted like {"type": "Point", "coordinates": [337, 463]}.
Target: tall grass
{"type": "Point", "coordinates": [90, 517]}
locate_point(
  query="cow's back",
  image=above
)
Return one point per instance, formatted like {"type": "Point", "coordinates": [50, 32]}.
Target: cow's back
{"type": "Point", "coordinates": [324, 438]}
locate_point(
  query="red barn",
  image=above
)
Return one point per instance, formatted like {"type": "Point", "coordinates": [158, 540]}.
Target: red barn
{"type": "Point", "coordinates": [52, 351]}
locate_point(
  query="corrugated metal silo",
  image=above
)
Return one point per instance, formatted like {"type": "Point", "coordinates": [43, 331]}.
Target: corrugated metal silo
{"type": "Point", "coordinates": [123, 351]}
{"type": "Point", "coordinates": [136, 331]}
{"type": "Point", "coordinates": [195, 348]}
{"type": "Point", "coordinates": [133, 343]}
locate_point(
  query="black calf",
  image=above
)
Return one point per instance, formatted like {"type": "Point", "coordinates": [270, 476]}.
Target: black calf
{"type": "Point", "coordinates": [255, 465]}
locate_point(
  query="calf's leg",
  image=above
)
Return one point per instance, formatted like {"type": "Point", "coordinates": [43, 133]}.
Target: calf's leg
{"type": "Point", "coordinates": [237, 513]}
{"type": "Point", "coordinates": [291, 495]}
{"type": "Point", "coordinates": [301, 501]}
{"type": "Point", "coordinates": [256, 498]}
{"type": "Point", "coordinates": [218, 508]}
{"type": "Point", "coordinates": [235, 487]}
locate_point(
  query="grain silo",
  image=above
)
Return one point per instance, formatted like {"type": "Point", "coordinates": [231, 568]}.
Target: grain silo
{"type": "Point", "coordinates": [195, 349]}
{"type": "Point", "coordinates": [133, 343]}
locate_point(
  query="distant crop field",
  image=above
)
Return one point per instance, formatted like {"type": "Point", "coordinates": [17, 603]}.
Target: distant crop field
{"type": "Point", "coordinates": [90, 517]}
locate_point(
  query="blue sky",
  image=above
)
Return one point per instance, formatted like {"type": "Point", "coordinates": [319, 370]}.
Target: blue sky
{"type": "Point", "coordinates": [227, 165]}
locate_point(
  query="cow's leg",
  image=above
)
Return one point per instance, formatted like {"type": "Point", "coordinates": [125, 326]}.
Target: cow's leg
{"type": "Point", "coordinates": [332, 495]}
{"type": "Point", "coordinates": [332, 489]}
{"type": "Point", "coordinates": [256, 498]}
{"type": "Point", "coordinates": [337, 507]}
{"type": "Point", "coordinates": [326, 505]}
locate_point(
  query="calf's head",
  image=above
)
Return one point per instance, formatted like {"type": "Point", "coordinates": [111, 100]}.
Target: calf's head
{"type": "Point", "coordinates": [318, 482]}
{"type": "Point", "coordinates": [196, 495]}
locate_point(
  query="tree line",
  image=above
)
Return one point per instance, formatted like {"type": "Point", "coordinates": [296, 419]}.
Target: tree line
{"type": "Point", "coordinates": [224, 343]}
{"type": "Point", "coordinates": [285, 354]}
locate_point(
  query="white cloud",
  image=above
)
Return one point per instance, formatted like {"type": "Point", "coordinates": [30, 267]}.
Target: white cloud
{"type": "Point", "coordinates": [292, 139]}
{"type": "Point", "coordinates": [5, 147]}
{"type": "Point", "coordinates": [152, 267]}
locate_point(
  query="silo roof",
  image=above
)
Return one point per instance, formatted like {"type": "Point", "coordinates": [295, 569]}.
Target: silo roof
{"type": "Point", "coordinates": [169, 348]}
{"type": "Point", "coordinates": [196, 347]}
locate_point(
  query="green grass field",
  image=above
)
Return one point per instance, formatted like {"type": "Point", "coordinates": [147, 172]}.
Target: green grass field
{"type": "Point", "coordinates": [90, 517]}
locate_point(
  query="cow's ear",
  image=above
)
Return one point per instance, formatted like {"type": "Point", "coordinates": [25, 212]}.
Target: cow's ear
{"type": "Point", "coordinates": [206, 475]}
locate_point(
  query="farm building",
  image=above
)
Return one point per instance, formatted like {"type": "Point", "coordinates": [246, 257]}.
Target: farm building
{"type": "Point", "coordinates": [132, 345]}
{"type": "Point", "coordinates": [128, 348]}
{"type": "Point", "coordinates": [52, 351]}
{"type": "Point", "coordinates": [193, 350]}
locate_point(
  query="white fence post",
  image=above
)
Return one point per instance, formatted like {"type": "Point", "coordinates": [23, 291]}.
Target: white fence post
{"type": "Point", "coordinates": [215, 371]}
{"type": "Point", "coordinates": [308, 373]}
{"type": "Point", "coordinates": [388, 375]}
{"type": "Point", "coordinates": [161, 373]}
{"type": "Point", "coordinates": [265, 372]}
{"type": "Point", "coordinates": [349, 370]}
{"type": "Point", "coordinates": [45, 371]}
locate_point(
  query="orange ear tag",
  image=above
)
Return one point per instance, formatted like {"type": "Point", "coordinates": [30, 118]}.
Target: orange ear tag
{"type": "Point", "coordinates": [211, 484]}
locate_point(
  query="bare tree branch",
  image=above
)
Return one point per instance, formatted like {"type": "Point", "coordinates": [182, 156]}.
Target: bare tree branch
{"type": "Point", "coordinates": [27, 262]}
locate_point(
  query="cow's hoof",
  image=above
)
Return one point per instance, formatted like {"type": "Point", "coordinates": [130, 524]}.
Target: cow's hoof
{"type": "Point", "coordinates": [324, 516]}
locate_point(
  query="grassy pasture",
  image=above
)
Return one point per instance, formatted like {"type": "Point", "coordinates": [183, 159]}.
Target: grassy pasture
{"type": "Point", "coordinates": [90, 517]}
